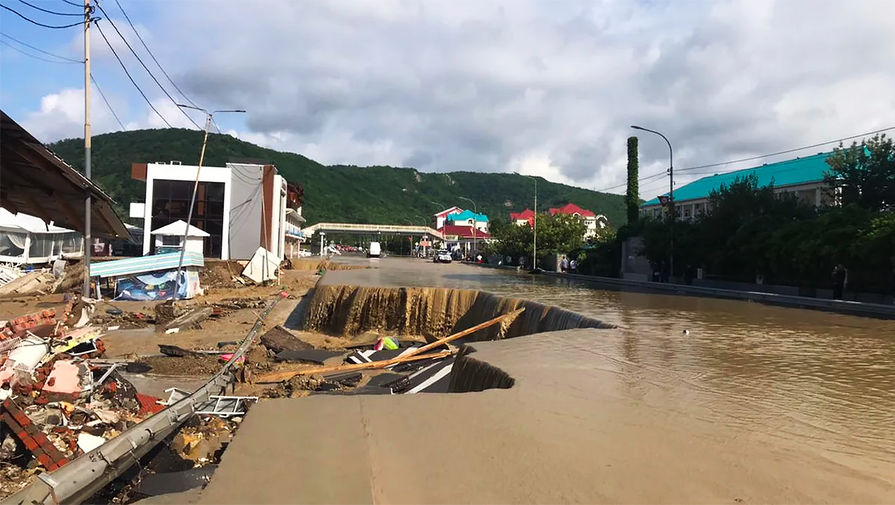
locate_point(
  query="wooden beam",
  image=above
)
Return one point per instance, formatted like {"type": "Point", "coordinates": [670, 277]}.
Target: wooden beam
{"type": "Point", "coordinates": [273, 378]}
{"type": "Point", "coordinates": [410, 356]}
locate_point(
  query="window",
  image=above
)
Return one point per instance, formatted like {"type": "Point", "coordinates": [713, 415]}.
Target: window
{"type": "Point", "coordinates": [171, 201]}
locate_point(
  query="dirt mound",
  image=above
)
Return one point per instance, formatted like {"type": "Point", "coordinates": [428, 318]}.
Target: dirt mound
{"type": "Point", "coordinates": [220, 273]}
{"type": "Point", "coordinates": [187, 365]}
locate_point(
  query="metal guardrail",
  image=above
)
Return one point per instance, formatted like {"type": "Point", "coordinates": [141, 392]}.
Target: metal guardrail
{"type": "Point", "coordinates": [372, 228]}
{"type": "Point", "coordinates": [82, 478]}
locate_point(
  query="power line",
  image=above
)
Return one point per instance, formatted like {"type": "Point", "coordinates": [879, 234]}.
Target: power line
{"type": "Point", "coordinates": [787, 151]}
{"type": "Point", "coordinates": [10, 37]}
{"type": "Point", "coordinates": [7, 44]}
{"type": "Point", "coordinates": [26, 18]}
{"type": "Point", "coordinates": [109, 105]}
{"type": "Point", "coordinates": [51, 12]}
{"type": "Point", "coordinates": [69, 2]}
{"type": "Point", "coordinates": [762, 156]}
{"type": "Point", "coordinates": [109, 19]}
{"type": "Point", "coordinates": [123, 67]}
{"type": "Point", "coordinates": [152, 55]}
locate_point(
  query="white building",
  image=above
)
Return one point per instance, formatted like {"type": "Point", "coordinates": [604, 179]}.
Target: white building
{"type": "Point", "coordinates": [169, 238]}
{"type": "Point", "coordinates": [241, 206]}
{"type": "Point", "coordinates": [441, 217]}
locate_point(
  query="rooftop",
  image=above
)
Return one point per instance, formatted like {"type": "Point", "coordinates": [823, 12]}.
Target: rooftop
{"type": "Point", "coordinates": [467, 214]}
{"type": "Point", "coordinates": [783, 173]}
{"type": "Point", "coordinates": [571, 209]}
{"type": "Point", "coordinates": [177, 228]}
{"type": "Point", "coordinates": [524, 215]}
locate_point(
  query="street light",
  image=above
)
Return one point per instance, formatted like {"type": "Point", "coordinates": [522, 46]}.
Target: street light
{"type": "Point", "coordinates": [475, 221]}
{"type": "Point", "coordinates": [534, 255]}
{"type": "Point", "coordinates": [670, 194]}
{"type": "Point", "coordinates": [189, 215]}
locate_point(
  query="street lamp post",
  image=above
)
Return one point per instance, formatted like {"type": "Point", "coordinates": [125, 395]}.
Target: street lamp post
{"type": "Point", "coordinates": [189, 216]}
{"type": "Point", "coordinates": [475, 221]}
{"type": "Point", "coordinates": [534, 255]}
{"type": "Point", "coordinates": [670, 195]}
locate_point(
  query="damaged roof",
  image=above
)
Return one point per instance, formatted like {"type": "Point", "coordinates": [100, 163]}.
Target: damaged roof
{"type": "Point", "coordinates": [35, 181]}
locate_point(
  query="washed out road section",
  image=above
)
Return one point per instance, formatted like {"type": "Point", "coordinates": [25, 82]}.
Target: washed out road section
{"type": "Point", "coordinates": [581, 424]}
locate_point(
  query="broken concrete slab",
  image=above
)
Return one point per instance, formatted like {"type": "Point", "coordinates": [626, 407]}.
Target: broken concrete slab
{"type": "Point", "coordinates": [64, 379]}
{"type": "Point", "coordinates": [279, 339]}
{"type": "Point", "coordinates": [191, 319]}
{"type": "Point", "coordinates": [175, 482]}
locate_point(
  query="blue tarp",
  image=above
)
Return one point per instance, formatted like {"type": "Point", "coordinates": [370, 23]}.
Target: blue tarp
{"type": "Point", "coordinates": [157, 285]}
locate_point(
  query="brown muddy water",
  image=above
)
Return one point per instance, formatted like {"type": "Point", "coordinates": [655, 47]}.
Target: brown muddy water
{"type": "Point", "coordinates": [808, 379]}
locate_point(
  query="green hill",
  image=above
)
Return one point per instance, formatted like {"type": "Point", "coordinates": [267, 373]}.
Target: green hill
{"type": "Point", "coordinates": [378, 194]}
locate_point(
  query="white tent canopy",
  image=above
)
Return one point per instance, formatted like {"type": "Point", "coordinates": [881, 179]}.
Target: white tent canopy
{"type": "Point", "coordinates": [26, 239]}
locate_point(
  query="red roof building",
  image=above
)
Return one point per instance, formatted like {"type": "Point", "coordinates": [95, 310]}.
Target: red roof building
{"type": "Point", "coordinates": [526, 216]}
{"type": "Point", "coordinates": [572, 209]}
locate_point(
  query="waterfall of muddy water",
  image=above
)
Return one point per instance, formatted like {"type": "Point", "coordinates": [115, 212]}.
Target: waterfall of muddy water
{"type": "Point", "coordinates": [431, 313]}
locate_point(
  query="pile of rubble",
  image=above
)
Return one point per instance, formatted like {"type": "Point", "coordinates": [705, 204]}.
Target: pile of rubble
{"type": "Point", "coordinates": [58, 398]}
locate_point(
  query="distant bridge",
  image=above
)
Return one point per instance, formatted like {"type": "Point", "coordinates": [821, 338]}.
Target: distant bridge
{"type": "Point", "coordinates": [372, 229]}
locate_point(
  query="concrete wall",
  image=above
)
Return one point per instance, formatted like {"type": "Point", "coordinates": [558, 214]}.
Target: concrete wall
{"type": "Point", "coordinates": [245, 210]}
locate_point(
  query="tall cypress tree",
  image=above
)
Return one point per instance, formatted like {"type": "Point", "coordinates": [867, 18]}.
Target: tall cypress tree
{"type": "Point", "coordinates": [632, 197]}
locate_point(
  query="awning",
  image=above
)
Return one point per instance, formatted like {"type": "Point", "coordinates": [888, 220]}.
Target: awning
{"type": "Point", "coordinates": [143, 264]}
{"type": "Point", "coordinates": [35, 181]}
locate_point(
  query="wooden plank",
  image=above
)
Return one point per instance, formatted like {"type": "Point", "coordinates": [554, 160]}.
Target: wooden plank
{"type": "Point", "coordinates": [410, 356]}
{"type": "Point", "coordinates": [284, 376]}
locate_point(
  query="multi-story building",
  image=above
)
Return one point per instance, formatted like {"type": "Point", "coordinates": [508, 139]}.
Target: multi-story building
{"type": "Point", "coordinates": [241, 206]}
{"type": "Point", "coordinates": [802, 177]}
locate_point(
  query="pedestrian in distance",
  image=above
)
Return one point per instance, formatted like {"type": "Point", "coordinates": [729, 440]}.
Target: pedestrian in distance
{"type": "Point", "coordinates": [564, 264]}
{"type": "Point", "coordinates": [840, 280]}
{"type": "Point", "coordinates": [573, 266]}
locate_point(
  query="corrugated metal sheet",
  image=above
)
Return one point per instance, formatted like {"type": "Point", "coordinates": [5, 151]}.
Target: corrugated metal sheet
{"type": "Point", "coordinates": [784, 173]}
{"type": "Point", "coordinates": [153, 263]}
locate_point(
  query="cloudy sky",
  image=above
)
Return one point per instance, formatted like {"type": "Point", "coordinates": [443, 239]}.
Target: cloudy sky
{"type": "Point", "coordinates": [538, 87]}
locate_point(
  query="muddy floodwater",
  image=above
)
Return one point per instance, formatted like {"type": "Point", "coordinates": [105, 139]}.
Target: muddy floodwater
{"type": "Point", "coordinates": [801, 379]}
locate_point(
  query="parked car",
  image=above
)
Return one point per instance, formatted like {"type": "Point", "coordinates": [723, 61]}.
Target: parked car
{"type": "Point", "coordinates": [442, 256]}
{"type": "Point", "coordinates": [375, 250]}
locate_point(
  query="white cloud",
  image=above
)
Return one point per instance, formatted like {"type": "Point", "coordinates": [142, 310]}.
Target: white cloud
{"type": "Point", "coordinates": [547, 88]}
{"type": "Point", "coordinates": [61, 115]}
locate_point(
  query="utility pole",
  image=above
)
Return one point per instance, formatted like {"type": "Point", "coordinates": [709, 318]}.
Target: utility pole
{"type": "Point", "coordinates": [534, 259]}
{"type": "Point", "coordinates": [475, 222]}
{"type": "Point", "coordinates": [88, 203]}
{"type": "Point", "coordinates": [189, 215]}
{"type": "Point", "coordinates": [534, 225]}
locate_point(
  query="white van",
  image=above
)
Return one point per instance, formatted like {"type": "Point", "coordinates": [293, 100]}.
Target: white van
{"type": "Point", "coordinates": [375, 250]}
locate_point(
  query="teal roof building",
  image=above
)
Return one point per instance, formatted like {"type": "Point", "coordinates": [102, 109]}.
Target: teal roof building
{"type": "Point", "coordinates": [801, 175]}
{"type": "Point", "coordinates": [466, 215]}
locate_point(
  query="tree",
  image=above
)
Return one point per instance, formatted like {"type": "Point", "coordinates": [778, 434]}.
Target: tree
{"type": "Point", "coordinates": [864, 174]}
{"type": "Point", "coordinates": [632, 197]}
{"type": "Point", "coordinates": [561, 233]}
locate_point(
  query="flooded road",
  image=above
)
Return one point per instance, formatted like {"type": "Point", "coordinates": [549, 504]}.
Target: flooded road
{"type": "Point", "coordinates": [797, 380]}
